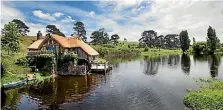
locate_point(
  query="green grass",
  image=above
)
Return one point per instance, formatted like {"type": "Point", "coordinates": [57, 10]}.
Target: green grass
{"type": "Point", "coordinates": [100, 60]}
{"type": "Point", "coordinates": [14, 72]}
{"type": "Point", "coordinates": [209, 97]}
{"type": "Point", "coordinates": [42, 76]}
{"type": "Point", "coordinates": [161, 52]}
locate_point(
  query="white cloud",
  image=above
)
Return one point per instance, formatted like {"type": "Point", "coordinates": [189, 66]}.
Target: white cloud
{"type": "Point", "coordinates": [42, 15]}
{"type": "Point", "coordinates": [92, 13]}
{"type": "Point", "coordinates": [130, 18]}
{"type": "Point", "coordinates": [8, 14]}
{"type": "Point", "coordinates": [167, 17]}
{"type": "Point", "coordinates": [67, 19]}
{"type": "Point", "coordinates": [58, 14]}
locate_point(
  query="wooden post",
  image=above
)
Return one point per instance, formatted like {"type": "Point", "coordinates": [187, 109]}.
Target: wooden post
{"type": "Point", "coordinates": [105, 66]}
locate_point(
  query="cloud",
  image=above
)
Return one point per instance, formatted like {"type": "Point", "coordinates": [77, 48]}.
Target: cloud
{"type": "Point", "coordinates": [67, 19]}
{"type": "Point", "coordinates": [8, 14]}
{"type": "Point", "coordinates": [46, 16]}
{"type": "Point", "coordinates": [58, 14]}
{"type": "Point", "coordinates": [130, 18]}
{"type": "Point", "coordinates": [165, 17]}
{"type": "Point", "coordinates": [92, 13]}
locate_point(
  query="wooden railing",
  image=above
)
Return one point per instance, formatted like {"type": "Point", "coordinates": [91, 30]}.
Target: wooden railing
{"type": "Point", "coordinates": [34, 53]}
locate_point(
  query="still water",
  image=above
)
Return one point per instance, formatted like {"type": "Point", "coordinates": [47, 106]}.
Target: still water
{"type": "Point", "coordinates": [148, 83]}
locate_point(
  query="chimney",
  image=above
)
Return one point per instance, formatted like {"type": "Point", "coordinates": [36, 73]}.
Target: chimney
{"type": "Point", "coordinates": [39, 35]}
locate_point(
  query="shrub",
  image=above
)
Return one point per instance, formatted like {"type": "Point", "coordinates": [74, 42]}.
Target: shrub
{"type": "Point", "coordinates": [146, 49]}
{"type": "Point", "coordinates": [22, 61]}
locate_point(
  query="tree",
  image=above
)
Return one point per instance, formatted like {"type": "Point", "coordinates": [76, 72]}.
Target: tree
{"type": "Point", "coordinates": [10, 37]}
{"type": "Point", "coordinates": [114, 38]}
{"type": "Point", "coordinates": [194, 41]}
{"type": "Point", "coordinates": [148, 38]}
{"type": "Point", "coordinates": [22, 27]}
{"type": "Point", "coordinates": [171, 41]}
{"type": "Point", "coordinates": [125, 39]}
{"type": "Point", "coordinates": [212, 40]}
{"type": "Point", "coordinates": [80, 29]}
{"type": "Point", "coordinates": [96, 37]}
{"type": "Point", "coordinates": [184, 40]}
{"type": "Point", "coordinates": [100, 36]}
{"type": "Point", "coordinates": [52, 29]}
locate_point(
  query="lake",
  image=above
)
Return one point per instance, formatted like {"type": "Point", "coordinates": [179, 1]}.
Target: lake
{"type": "Point", "coordinates": [146, 83]}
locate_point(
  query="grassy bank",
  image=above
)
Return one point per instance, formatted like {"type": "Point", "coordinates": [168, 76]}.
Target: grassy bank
{"type": "Point", "coordinates": [160, 52]}
{"type": "Point", "coordinates": [15, 72]}
{"type": "Point", "coordinates": [131, 48]}
{"type": "Point", "coordinates": [208, 97]}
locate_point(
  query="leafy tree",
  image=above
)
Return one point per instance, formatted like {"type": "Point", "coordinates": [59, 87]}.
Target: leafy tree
{"type": "Point", "coordinates": [80, 29]}
{"type": "Point", "coordinates": [114, 38]}
{"type": "Point", "coordinates": [96, 37]}
{"type": "Point", "coordinates": [194, 41]}
{"type": "Point", "coordinates": [148, 38]}
{"type": "Point", "coordinates": [100, 37]}
{"type": "Point", "coordinates": [52, 29]}
{"type": "Point", "coordinates": [22, 27]}
{"type": "Point", "coordinates": [125, 39]}
{"type": "Point", "coordinates": [10, 37]}
{"type": "Point", "coordinates": [212, 40]}
{"type": "Point", "coordinates": [170, 41]}
{"type": "Point", "coordinates": [200, 48]}
{"type": "Point", "coordinates": [184, 40]}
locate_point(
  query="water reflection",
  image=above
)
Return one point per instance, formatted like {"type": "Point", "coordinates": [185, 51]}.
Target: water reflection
{"type": "Point", "coordinates": [214, 63]}
{"type": "Point", "coordinates": [151, 65]}
{"type": "Point", "coordinates": [174, 60]}
{"type": "Point", "coordinates": [185, 63]}
{"type": "Point", "coordinates": [55, 91]}
{"type": "Point", "coordinates": [126, 88]}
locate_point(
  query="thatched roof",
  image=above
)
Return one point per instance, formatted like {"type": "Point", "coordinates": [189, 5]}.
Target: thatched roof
{"type": "Point", "coordinates": [66, 42]}
{"type": "Point", "coordinates": [36, 44]}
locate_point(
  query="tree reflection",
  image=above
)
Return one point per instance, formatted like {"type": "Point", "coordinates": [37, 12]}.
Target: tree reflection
{"type": "Point", "coordinates": [173, 60]}
{"type": "Point", "coordinates": [214, 64]}
{"type": "Point", "coordinates": [185, 63]}
{"type": "Point", "coordinates": [151, 65]}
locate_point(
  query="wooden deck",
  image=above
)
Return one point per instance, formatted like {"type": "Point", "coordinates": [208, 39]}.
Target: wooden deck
{"type": "Point", "coordinates": [100, 67]}
{"type": "Point", "coordinates": [35, 53]}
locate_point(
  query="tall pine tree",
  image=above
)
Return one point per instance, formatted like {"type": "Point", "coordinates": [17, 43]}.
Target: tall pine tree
{"type": "Point", "coordinates": [184, 41]}
{"type": "Point", "coordinates": [80, 29]}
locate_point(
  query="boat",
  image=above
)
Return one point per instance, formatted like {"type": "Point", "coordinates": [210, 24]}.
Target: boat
{"type": "Point", "coordinates": [14, 84]}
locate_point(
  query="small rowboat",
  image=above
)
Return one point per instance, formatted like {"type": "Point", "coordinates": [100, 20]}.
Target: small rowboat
{"type": "Point", "coordinates": [14, 84]}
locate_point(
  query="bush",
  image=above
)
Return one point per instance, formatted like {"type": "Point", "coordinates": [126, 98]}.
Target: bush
{"type": "Point", "coordinates": [200, 47]}
{"type": "Point", "coordinates": [22, 61]}
{"type": "Point", "coordinates": [146, 49]}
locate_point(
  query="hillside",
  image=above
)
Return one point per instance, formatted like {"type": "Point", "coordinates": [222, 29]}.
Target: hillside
{"type": "Point", "coordinates": [14, 72]}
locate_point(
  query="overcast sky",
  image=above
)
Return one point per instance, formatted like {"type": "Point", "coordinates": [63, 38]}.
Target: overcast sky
{"type": "Point", "coordinates": [127, 18]}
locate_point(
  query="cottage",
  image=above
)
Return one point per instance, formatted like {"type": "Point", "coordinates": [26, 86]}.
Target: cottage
{"type": "Point", "coordinates": [61, 45]}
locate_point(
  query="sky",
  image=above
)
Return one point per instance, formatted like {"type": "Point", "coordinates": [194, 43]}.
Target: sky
{"type": "Point", "coordinates": [127, 18]}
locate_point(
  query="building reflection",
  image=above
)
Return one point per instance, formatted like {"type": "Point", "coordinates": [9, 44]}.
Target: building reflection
{"type": "Point", "coordinates": [64, 89]}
